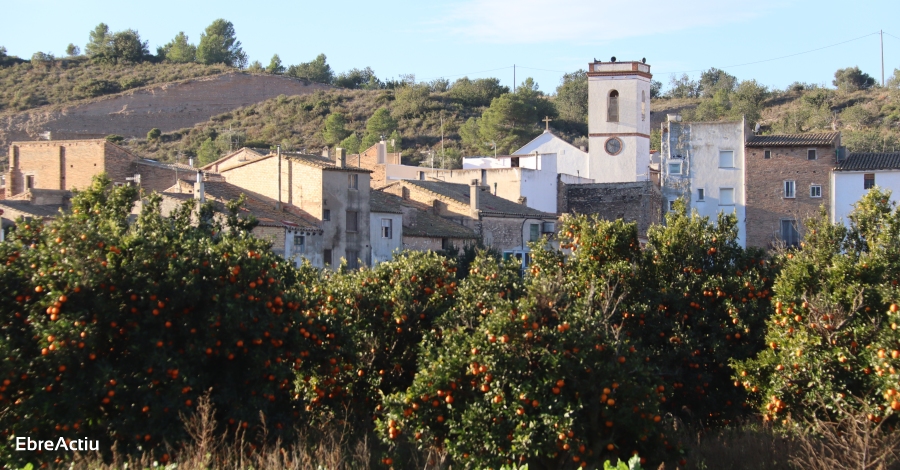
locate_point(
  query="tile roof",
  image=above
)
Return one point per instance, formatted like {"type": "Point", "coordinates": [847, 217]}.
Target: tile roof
{"type": "Point", "coordinates": [221, 192]}
{"type": "Point", "coordinates": [419, 221]}
{"type": "Point", "coordinates": [423, 223]}
{"type": "Point", "coordinates": [793, 140]}
{"type": "Point", "coordinates": [32, 210]}
{"type": "Point", "coordinates": [380, 201]}
{"type": "Point", "coordinates": [869, 161]}
{"type": "Point", "coordinates": [322, 162]}
{"type": "Point", "coordinates": [489, 204]}
{"type": "Point", "coordinates": [173, 166]}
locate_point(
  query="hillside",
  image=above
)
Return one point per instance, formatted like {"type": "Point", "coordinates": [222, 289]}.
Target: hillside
{"type": "Point", "coordinates": [167, 106]}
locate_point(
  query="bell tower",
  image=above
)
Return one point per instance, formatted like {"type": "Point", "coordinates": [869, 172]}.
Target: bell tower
{"type": "Point", "coordinates": [619, 121]}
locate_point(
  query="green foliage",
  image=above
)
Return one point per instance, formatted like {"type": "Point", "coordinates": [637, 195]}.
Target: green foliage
{"type": "Point", "coordinates": [208, 152]}
{"type": "Point", "coordinates": [351, 143]}
{"type": "Point", "coordinates": [894, 80]}
{"type": "Point", "coordinates": [379, 126]}
{"type": "Point", "coordinates": [364, 79]}
{"type": "Point", "coordinates": [72, 50]}
{"type": "Point", "coordinates": [411, 100]}
{"type": "Point", "coordinates": [833, 342]}
{"type": "Point", "coordinates": [852, 79]}
{"type": "Point", "coordinates": [510, 121]}
{"type": "Point", "coordinates": [655, 139]}
{"type": "Point", "coordinates": [683, 87]}
{"type": "Point", "coordinates": [114, 138]}
{"type": "Point", "coordinates": [178, 50]}
{"type": "Point", "coordinates": [113, 48]}
{"type": "Point", "coordinates": [334, 130]}
{"type": "Point", "coordinates": [394, 142]}
{"type": "Point", "coordinates": [112, 330]}
{"type": "Point", "coordinates": [713, 80]}
{"type": "Point", "coordinates": [219, 45]}
{"type": "Point", "coordinates": [857, 117]}
{"type": "Point", "coordinates": [478, 92]}
{"type": "Point", "coordinates": [98, 41]}
{"type": "Point", "coordinates": [572, 100]}
{"type": "Point", "coordinates": [633, 464]}
{"type": "Point", "coordinates": [316, 70]}
{"type": "Point", "coordinates": [154, 133]}
{"type": "Point", "coordinates": [255, 67]}
{"type": "Point", "coordinates": [655, 89]}
{"type": "Point", "coordinates": [275, 66]}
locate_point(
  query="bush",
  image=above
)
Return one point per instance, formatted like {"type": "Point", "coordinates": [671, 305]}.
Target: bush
{"type": "Point", "coordinates": [112, 331]}
{"type": "Point", "coordinates": [834, 347]}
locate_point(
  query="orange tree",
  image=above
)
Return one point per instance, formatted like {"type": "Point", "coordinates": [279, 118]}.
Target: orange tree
{"type": "Point", "coordinates": [535, 369]}
{"type": "Point", "coordinates": [111, 330]}
{"type": "Point", "coordinates": [703, 301]}
{"type": "Point", "coordinates": [833, 344]}
{"type": "Point", "coordinates": [384, 312]}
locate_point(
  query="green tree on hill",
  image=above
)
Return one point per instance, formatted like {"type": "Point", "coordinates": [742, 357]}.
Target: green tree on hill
{"type": "Point", "coordinates": [358, 79]}
{"type": "Point", "coordinates": [72, 50]}
{"type": "Point", "coordinates": [714, 80]}
{"type": "Point", "coordinates": [351, 143]}
{"type": "Point", "coordinates": [381, 124]}
{"type": "Point", "coordinates": [98, 41]}
{"type": "Point", "coordinates": [334, 129]}
{"type": "Point", "coordinates": [572, 98]}
{"type": "Point", "coordinates": [123, 46]}
{"type": "Point", "coordinates": [852, 79]}
{"type": "Point", "coordinates": [477, 92]}
{"type": "Point", "coordinates": [178, 50]}
{"type": "Point", "coordinates": [275, 66]}
{"type": "Point", "coordinates": [219, 45]}
{"type": "Point", "coordinates": [316, 70]}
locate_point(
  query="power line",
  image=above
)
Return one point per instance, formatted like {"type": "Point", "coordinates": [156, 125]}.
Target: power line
{"type": "Point", "coordinates": [891, 35]}
{"type": "Point", "coordinates": [542, 70]}
{"type": "Point", "coordinates": [469, 73]}
{"type": "Point", "coordinates": [782, 57]}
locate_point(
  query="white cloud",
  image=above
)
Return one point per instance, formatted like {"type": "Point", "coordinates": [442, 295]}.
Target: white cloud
{"type": "Point", "coordinates": [590, 21]}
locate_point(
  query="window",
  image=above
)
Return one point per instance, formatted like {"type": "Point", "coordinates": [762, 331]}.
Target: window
{"type": "Point", "coordinates": [700, 194]}
{"type": "Point", "coordinates": [514, 162]}
{"type": "Point", "coordinates": [612, 107]}
{"type": "Point", "coordinates": [767, 154]}
{"type": "Point", "coordinates": [387, 228]}
{"type": "Point", "coordinates": [643, 105]}
{"type": "Point", "coordinates": [29, 181]}
{"type": "Point", "coordinates": [790, 189]}
{"type": "Point", "coordinates": [671, 205]}
{"type": "Point", "coordinates": [326, 257]}
{"type": "Point", "coordinates": [421, 176]}
{"type": "Point", "coordinates": [354, 180]}
{"type": "Point", "coordinates": [811, 154]}
{"type": "Point", "coordinates": [352, 221]}
{"type": "Point", "coordinates": [789, 234]}
{"type": "Point", "coordinates": [675, 168]}
{"type": "Point", "coordinates": [353, 259]}
{"type": "Point", "coordinates": [726, 196]}
{"type": "Point", "coordinates": [445, 244]}
{"type": "Point", "coordinates": [299, 244]}
{"type": "Point", "coordinates": [326, 214]}
{"type": "Point", "coordinates": [726, 159]}
{"type": "Point", "coordinates": [483, 176]}
{"type": "Point", "coordinates": [548, 227]}
{"type": "Point", "coordinates": [869, 180]}
{"type": "Point", "coordinates": [535, 232]}
{"type": "Point", "coordinates": [815, 191]}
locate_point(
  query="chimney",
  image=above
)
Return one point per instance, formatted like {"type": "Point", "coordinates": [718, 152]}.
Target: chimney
{"type": "Point", "coordinates": [474, 198]}
{"type": "Point", "coordinates": [199, 190]}
{"type": "Point", "coordinates": [381, 152]}
{"type": "Point", "coordinates": [325, 153]}
{"type": "Point", "coordinates": [340, 157]}
{"type": "Point", "coordinates": [191, 161]}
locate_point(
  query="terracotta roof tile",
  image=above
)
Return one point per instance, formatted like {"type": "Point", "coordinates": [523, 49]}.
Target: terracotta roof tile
{"type": "Point", "coordinates": [793, 140]}
{"type": "Point", "coordinates": [380, 201]}
{"type": "Point", "coordinates": [869, 161]}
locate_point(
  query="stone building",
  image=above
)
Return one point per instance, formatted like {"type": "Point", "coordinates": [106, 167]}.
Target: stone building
{"type": "Point", "coordinates": [385, 226]}
{"type": "Point", "coordinates": [499, 223]}
{"type": "Point", "coordinates": [640, 202]}
{"type": "Point", "coordinates": [335, 194]}
{"type": "Point", "coordinates": [377, 159]}
{"type": "Point", "coordinates": [293, 234]}
{"type": "Point", "coordinates": [65, 164]}
{"type": "Point", "coordinates": [419, 228]}
{"type": "Point", "coordinates": [787, 181]}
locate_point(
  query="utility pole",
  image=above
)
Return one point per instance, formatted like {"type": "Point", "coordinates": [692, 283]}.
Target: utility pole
{"type": "Point", "coordinates": [881, 33]}
{"type": "Point", "coordinates": [442, 139]}
{"type": "Point", "coordinates": [514, 78]}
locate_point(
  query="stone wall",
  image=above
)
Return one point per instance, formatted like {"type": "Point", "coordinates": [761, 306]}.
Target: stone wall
{"type": "Point", "coordinates": [639, 202]}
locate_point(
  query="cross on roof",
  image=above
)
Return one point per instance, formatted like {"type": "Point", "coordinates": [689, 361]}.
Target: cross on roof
{"type": "Point", "coordinates": [547, 122]}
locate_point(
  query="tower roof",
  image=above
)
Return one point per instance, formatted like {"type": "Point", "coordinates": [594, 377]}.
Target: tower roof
{"type": "Point", "coordinates": [613, 68]}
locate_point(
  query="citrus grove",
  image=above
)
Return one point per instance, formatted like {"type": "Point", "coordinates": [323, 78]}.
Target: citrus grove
{"type": "Point", "coordinates": [114, 326]}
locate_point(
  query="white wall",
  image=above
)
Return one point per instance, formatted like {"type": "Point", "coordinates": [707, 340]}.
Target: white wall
{"type": "Point", "coordinates": [630, 164]}
{"type": "Point", "coordinates": [539, 186]}
{"type": "Point", "coordinates": [570, 160]}
{"type": "Point", "coordinates": [707, 140]}
{"type": "Point", "coordinates": [847, 189]}
{"type": "Point", "coordinates": [383, 248]}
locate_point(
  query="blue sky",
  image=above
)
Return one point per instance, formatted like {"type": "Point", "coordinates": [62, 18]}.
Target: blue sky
{"type": "Point", "coordinates": [481, 38]}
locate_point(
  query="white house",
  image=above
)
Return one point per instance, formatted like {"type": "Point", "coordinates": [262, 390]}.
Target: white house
{"type": "Point", "coordinates": [386, 226]}
{"type": "Point", "coordinates": [704, 163]}
{"type": "Point", "coordinates": [854, 175]}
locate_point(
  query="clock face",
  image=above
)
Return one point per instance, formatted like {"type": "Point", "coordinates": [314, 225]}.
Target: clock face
{"type": "Point", "coordinates": [613, 146]}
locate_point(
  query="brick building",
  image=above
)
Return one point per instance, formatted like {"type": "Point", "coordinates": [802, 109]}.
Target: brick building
{"type": "Point", "coordinates": [787, 180]}
{"type": "Point", "coordinates": [334, 194]}
{"type": "Point", "coordinates": [65, 164]}
{"type": "Point", "coordinates": [377, 159]}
